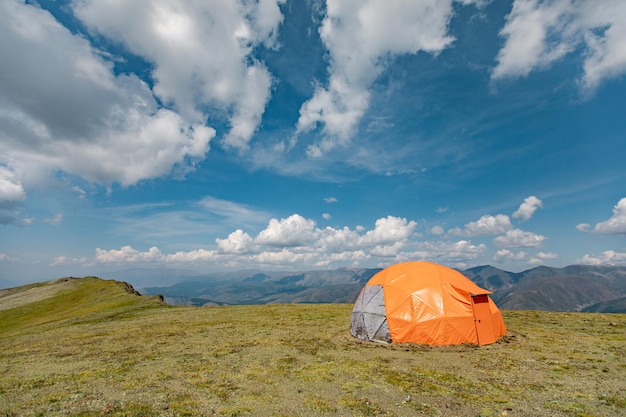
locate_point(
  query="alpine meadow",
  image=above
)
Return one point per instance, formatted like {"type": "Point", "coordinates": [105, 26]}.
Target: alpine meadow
{"type": "Point", "coordinates": [93, 347]}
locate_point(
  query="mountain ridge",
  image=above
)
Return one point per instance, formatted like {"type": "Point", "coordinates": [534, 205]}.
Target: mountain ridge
{"type": "Point", "coordinates": [571, 288]}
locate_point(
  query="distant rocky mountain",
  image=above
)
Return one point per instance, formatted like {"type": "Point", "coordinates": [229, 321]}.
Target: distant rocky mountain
{"type": "Point", "coordinates": [322, 286]}
{"type": "Point", "coordinates": [573, 288]}
{"type": "Point", "coordinates": [612, 306]}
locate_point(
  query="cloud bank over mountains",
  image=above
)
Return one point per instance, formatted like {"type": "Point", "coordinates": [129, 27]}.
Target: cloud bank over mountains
{"type": "Point", "coordinates": [296, 240]}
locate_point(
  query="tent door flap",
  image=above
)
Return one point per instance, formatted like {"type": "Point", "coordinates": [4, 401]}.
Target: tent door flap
{"type": "Point", "coordinates": [482, 319]}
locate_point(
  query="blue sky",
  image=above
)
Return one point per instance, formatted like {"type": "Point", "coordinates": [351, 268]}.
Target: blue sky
{"type": "Point", "coordinates": [298, 135]}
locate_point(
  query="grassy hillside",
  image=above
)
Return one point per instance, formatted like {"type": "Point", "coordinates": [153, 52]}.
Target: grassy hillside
{"type": "Point", "coordinates": [90, 347]}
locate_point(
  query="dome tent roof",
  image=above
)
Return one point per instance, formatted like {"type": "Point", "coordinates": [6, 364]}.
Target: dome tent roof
{"type": "Point", "coordinates": [426, 303]}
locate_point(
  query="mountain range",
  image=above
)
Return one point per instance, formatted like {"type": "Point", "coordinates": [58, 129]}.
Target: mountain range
{"type": "Point", "coordinates": [572, 288]}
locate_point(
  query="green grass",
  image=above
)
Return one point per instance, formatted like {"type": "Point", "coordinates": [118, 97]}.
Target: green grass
{"type": "Point", "coordinates": [89, 299]}
{"type": "Point", "coordinates": [94, 349]}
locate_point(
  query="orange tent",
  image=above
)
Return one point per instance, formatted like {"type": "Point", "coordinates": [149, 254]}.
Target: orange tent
{"type": "Point", "coordinates": [425, 303]}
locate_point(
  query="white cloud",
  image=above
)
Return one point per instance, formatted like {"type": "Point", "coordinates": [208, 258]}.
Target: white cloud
{"type": "Point", "coordinates": [479, 3]}
{"type": "Point", "coordinates": [447, 252]}
{"type": "Point", "coordinates": [56, 220]}
{"type": "Point", "coordinates": [194, 256]}
{"type": "Point", "coordinates": [11, 189]}
{"type": "Point", "coordinates": [529, 26]}
{"type": "Point", "coordinates": [617, 223]}
{"type": "Point", "coordinates": [284, 257]}
{"type": "Point", "coordinates": [27, 221]}
{"type": "Point", "coordinates": [64, 260]}
{"type": "Point", "coordinates": [81, 193]}
{"type": "Point", "coordinates": [330, 200]}
{"type": "Point", "coordinates": [201, 52]}
{"type": "Point", "coordinates": [292, 231]}
{"type": "Point", "coordinates": [389, 230]}
{"type": "Point", "coordinates": [237, 242]}
{"type": "Point", "coordinates": [326, 216]}
{"type": "Point", "coordinates": [128, 254]}
{"type": "Point", "coordinates": [608, 257]}
{"type": "Point", "coordinates": [547, 255]}
{"type": "Point", "coordinates": [539, 33]}
{"type": "Point", "coordinates": [362, 37]}
{"type": "Point", "coordinates": [59, 260]}
{"type": "Point", "coordinates": [297, 242]}
{"type": "Point", "coordinates": [517, 238]}
{"type": "Point", "coordinates": [289, 240]}
{"type": "Point", "coordinates": [541, 257]}
{"type": "Point", "coordinates": [388, 251]}
{"type": "Point", "coordinates": [67, 111]}
{"type": "Point", "coordinates": [437, 230]}
{"type": "Point", "coordinates": [11, 195]}
{"type": "Point", "coordinates": [583, 227]}
{"type": "Point", "coordinates": [507, 254]}
{"type": "Point", "coordinates": [338, 240]}
{"type": "Point", "coordinates": [528, 208]}
{"type": "Point", "coordinates": [485, 226]}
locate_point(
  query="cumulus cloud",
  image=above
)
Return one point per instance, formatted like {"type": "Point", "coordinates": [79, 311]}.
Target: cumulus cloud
{"type": "Point", "coordinates": [583, 227]}
{"type": "Point", "coordinates": [517, 238]}
{"type": "Point", "coordinates": [485, 226]}
{"type": "Point", "coordinates": [201, 53]}
{"type": "Point", "coordinates": [616, 225]}
{"type": "Point", "coordinates": [11, 195]}
{"type": "Point", "coordinates": [541, 258]}
{"type": "Point", "coordinates": [437, 230]}
{"type": "Point", "coordinates": [128, 254]}
{"type": "Point", "coordinates": [286, 241]}
{"type": "Point", "coordinates": [296, 241]}
{"type": "Point", "coordinates": [390, 229]}
{"type": "Point", "coordinates": [507, 254]}
{"type": "Point", "coordinates": [538, 33]}
{"type": "Point", "coordinates": [292, 231]}
{"type": "Point", "coordinates": [547, 255]}
{"type": "Point", "coordinates": [361, 38]}
{"type": "Point", "coordinates": [237, 242]}
{"type": "Point", "coordinates": [609, 257]}
{"type": "Point", "coordinates": [528, 208]}
{"type": "Point", "coordinates": [11, 189]}
{"type": "Point", "coordinates": [68, 111]}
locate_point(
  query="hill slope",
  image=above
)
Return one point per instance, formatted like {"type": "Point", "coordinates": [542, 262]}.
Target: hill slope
{"type": "Point", "coordinates": [85, 299]}
{"type": "Point", "coordinates": [90, 347]}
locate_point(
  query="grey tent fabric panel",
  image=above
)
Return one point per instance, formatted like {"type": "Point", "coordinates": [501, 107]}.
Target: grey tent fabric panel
{"type": "Point", "coordinates": [369, 317]}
